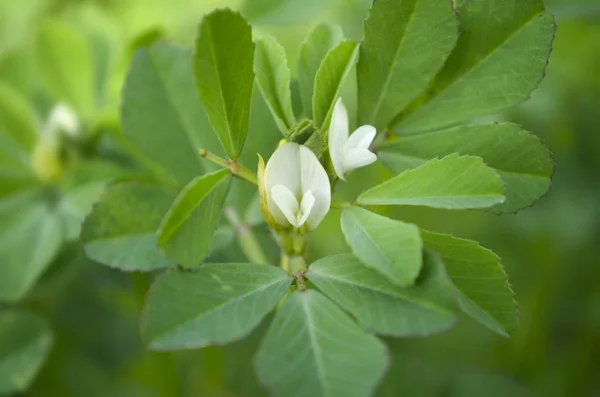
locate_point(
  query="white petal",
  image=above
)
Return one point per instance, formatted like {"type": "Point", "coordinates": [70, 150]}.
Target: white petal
{"type": "Point", "coordinates": [314, 178]}
{"type": "Point", "coordinates": [283, 168]}
{"type": "Point", "coordinates": [361, 138]}
{"type": "Point", "coordinates": [356, 158]}
{"type": "Point", "coordinates": [338, 134]}
{"type": "Point", "coordinates": [308, 202]}
{"type": "Point", "coordinates": [64, 119]}
{"type": "Point", "coordinates": [286, 202]}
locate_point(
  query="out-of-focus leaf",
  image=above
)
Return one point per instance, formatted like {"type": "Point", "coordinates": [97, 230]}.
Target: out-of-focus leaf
{"type": "Point", "coordinates": [282, 12]}
{"type": "Point", "coordinates": [215, 304]}
{"type": "Point", "coordinates": [485, 293]}
{"type": "Point", "coordinates": [313, 50]}
{"type": "Point", "coordinates": [498, 61]}
{"type": "Point", "coordinates": [25, 340]}
{"type": "Point", "coordinates": [16, 20]}
{"type": "Point", "coordinates": [65, 65]}
{"type": "Point", "coordinates": [29, 240]}
{"type": "Point", "coordinates": [405, 44]}
{"type": "Point", "coordinates": [521, 159]}
{"type": "Point", "coordinates": [329, 78]}
{"type": "Point", "coordinates": [314, 349]}
{"type": "Point", "coordinates": [223, 66]}
{"type": "Point", "coordinates": [120, 231]}
{"type": "Point", "coordinates": [186, 231]}
{"type": "Point", "coordinates": [382, 307]}
{"type": "Point", "coordinates": [390, 247]}
{"type": "Point", "coordinates": [453, 182]}
{"type": "Point", "coordinates": [273, 79]}
{"type": "Point", "coordinates": [495, 385]}
{"type": "Point", "coordinates": [18, 130]}
{"type": "Point", "coordinates": [161, 113]}
{"type": "Point", "coordinates": [75, 204]}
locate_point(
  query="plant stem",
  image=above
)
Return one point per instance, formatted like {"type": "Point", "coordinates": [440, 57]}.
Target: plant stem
{"type": "Point", "coordinates": [236, 168]}
{"type": "Point", "coordinates": [246, 239]}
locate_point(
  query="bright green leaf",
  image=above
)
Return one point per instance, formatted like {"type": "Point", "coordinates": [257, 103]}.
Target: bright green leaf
{"type": "Point", "coordinates": [383, 307]}
{"type": "Point", "coordinates": [25, 340]}
{"type": "Point", "coordinates": [498, 61]}
{"type": "Point", "coordinates": [65, 64]}
{"type": "Point", "coordinates": [273, 78]}
{"type": "Point", "coordinates": [314, 349]}
{"type": "Point", "coordinates": [18, 130]}
{"type": "Point", "coordinates": [329, 78]}
{"type": "Point", "coordinates": [453, 182]}
{"type": "Point", "coordinates": [213, 305]}
{"type": "Point", "coordinates": [223, 66]}
{"type": "Point", "coordinates": [312, 52]}
{"type": "Point", "coordinates": [30, 238]}
{"type": "Point", "coordinates": [390, 247]}
{"type": "Point", "coordinates": [161, 113]}
{"type": "Point", "coordinates": [405, 44]}
{"type": "Point", "coordinates": [186, 231]}
{"type": "Point", "coordinates": [521, 159]}
{"type": "Point", "coordinates": [120, 231]}
{"type": "Point", "coordinates": [485, 293]}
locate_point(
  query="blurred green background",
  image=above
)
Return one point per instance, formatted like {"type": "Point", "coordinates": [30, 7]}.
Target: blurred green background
{"type": "Point", "coordinates": [550, 251]}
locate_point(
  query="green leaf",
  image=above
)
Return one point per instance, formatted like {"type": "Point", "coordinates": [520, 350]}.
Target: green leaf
{"type": "Point", "coordinates": [25, 340]}
{"type": "Point", "coordinates": [66, 66]}
{"type": "Point", "coordinates": [453, 182]}
{"type": "Point", "coordinates": [520, 158]}
{"type": "Point", "coordinates": [186, 231]}
{"type": "Point", "coordinates": [499, 59]}
{"type": "Point", "coordinates": [314, 349]}
{"type": "Point", "coordinates": [485, 293]}
{"type": "Point", "coordinates": [161, 113]}
{"type": "Point", "coordinates": [329, 78]}
{"type": "Point", "coordinates": [312, 52]}
{"type": "Point", "coordinates": [75, 204]}
{"type": "Point", "coordinates": [405, 44]}
{"type": "Point", "coordinates": [223, 60]}
{"type": "Point", "coordinates": [273, 79]}
{"type": "Point", "coordinates": [383, 307]}
{"type": "Point", "coordinates": [18, 130]}
{"type": "Point", "coordinates": [120, 231]}
{"type": "Point", "coordinates": [29, 239]}
{"type": "Point", "coordinates": [214, 305]}
{"type": "Point", "coordinates": [390, 247]}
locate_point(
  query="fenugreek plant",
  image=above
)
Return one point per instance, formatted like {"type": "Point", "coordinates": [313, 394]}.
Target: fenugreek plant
{"type": "Point", "coordinates": [421, 80]}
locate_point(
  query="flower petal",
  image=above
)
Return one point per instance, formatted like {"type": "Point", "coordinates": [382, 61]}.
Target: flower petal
{"type": "Point", "coordinates": [338, 135]}
{"type": "Point", "coordinates": [361, 138]}
{"type": "Point", "coordinates": [286, 202]}
{"type": "Point", "coordinates": [308, 201]}
{"type": "Point", "coordinates": [314, 178]}
{"type": "Point", "coordinates": [283, 168]}
{"type": "Point", "coordinates": [356, 158]}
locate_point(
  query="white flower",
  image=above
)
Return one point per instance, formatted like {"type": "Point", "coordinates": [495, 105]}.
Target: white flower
{"type": "Point", "coordinates": [296, 186]}
{"type": "Point", "coordinates": [348, 153]}
{"type": "Point", "coordinates": [63, 119]}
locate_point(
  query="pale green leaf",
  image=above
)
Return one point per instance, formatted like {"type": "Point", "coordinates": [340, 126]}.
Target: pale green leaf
{"type": "Point", "coordinates": [213, 305]}
{"type": "Point", "coordinates": [186, 231]}
{"type": "Point", "coordinates": [382, 307]}
{"type": "Point", "coordinates": [499, 59]}
{"type": "Point", "coordinates": [390, 247]}
{"type": "Point", "coordinates": [75, 204]}
{"type": "Point", "coordinates": [120, 231]}
{"type": "Point", "coordinates": [329, 78]}
{"type": "Point", "coordinates": [273, 79]}
{"type": "Point", "coordinates": [18, 130]}
{"type": "Point", "coordinates": [66, 67]}
{"type": "Point", "coordinates": [312, 52]}
{"type": "Point", "coordinates": [477, 273]}
{"type": "Point", "coordinates": [25, 340]}
{"type": "Point", "coordinates": [29, 239]}
{"type": "Point", "coordinates": [405, 44]}
{"type": "Point", "coordinates": [223, 66]}
{"type": "Point", "coordinates": [314, 349]}
{"type": "Point", "coordinates": [520, 158]}
{"type": "Point", "coordinates": [161, 113]}
{"type": "Point", "coordinates": [453, 182]}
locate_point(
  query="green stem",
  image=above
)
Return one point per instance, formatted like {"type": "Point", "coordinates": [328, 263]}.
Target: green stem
{"type": "Point", "coordinates": [246, 239]}
{"type": "Point", "coordinates": [236, 168]}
